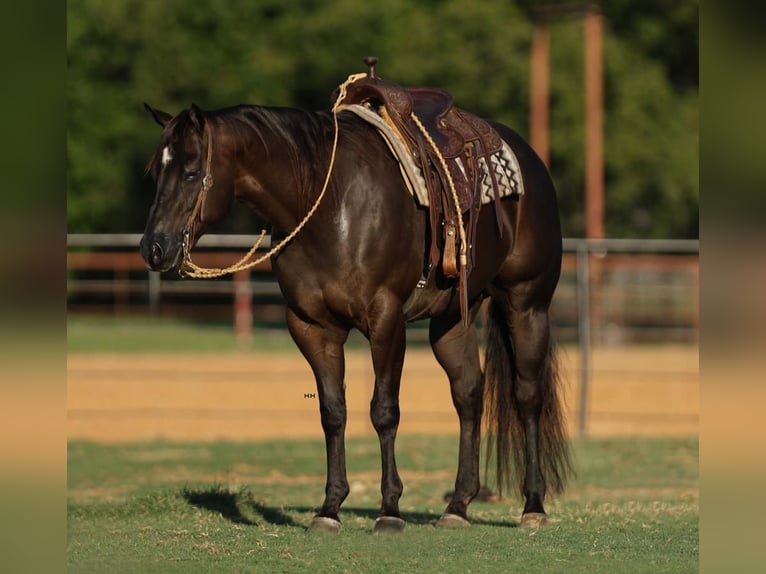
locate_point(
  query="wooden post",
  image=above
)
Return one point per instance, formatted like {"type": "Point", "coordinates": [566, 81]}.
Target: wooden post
{"type": "Point", "coordinates": [243, 309]}
{"type": "Point", "coordinates": [539, 88]}
{"type": "Point", "coordinates": [594, 126]}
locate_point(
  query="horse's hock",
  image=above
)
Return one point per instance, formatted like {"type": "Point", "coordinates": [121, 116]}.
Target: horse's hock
{"type": "Point", "coordinates": [647, 390]}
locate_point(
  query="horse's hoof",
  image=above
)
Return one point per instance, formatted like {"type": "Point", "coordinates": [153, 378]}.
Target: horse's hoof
{"type": "Point", "coordinates": [534, 520]}
{"type": "Point", "coordinates": [388, 525]}
{"type": "Point", "coordinates": [449, 520]}
{"type": "Point", "coordinates": [324, 525]}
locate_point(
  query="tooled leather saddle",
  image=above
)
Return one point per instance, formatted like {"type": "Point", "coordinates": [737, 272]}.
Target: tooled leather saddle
{"type": "Point", "coordinates": [454, 151]}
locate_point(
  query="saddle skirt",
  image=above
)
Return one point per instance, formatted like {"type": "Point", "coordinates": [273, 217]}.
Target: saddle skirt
{"type": "Point", "coordinates": [503, 163]}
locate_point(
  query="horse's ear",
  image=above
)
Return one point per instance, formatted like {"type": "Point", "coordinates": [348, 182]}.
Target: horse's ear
{"type": "Point", "coordinates": [197, 118]}
{"type": "Point", "coordinates": [160, 117]}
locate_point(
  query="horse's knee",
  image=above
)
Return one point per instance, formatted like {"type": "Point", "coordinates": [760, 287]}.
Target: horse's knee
{"type": "Point", "coordinates": [384, 414]}
{"type": "Point", "coordinates": [333, 414]}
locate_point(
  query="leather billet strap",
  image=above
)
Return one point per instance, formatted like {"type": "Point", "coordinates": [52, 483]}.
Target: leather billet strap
{"type": "Point", "coordinates": [199, 205]}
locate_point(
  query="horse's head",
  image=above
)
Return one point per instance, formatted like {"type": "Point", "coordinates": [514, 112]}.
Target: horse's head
{"type": "Point", "coordinates": [192, 188]}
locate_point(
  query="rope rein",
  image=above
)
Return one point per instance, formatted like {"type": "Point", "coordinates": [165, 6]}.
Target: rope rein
{"type": "Point", "coordinates": [190, 269]}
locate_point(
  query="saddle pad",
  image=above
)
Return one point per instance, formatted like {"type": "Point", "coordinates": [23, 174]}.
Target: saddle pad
{"type": "Point", "coordinates": [504, 163]}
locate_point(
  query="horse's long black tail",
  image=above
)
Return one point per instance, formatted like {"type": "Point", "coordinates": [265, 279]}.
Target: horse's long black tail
{"type": "Point", "coordinates": [506, 433]}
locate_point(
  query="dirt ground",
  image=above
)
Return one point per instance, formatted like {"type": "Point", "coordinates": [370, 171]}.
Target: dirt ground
{"type": "Point", "coordinates": [638, 390]}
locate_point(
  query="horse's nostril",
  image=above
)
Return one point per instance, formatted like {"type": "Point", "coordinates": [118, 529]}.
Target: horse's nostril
{"type": "Point", "coordinates": [156, 255]}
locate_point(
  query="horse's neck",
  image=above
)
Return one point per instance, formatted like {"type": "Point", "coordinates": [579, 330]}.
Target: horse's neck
{"type": "Point", "coordinates": [274, 174]}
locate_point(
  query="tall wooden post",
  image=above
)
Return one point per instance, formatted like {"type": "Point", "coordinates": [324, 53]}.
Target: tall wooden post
{"type": "Point", "coordinates": [539, 88]}
{"type": "Point", "coordinates": [243, 309]}
{"type": "Point", "coordinates": [594, 125]}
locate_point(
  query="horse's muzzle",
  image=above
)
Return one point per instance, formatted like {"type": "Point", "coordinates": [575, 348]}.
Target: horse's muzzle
{"type": "Point", "coordinates": [159, 253]}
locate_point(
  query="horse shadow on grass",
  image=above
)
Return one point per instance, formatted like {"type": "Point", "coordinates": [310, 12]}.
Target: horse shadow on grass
{"type": "Point", "coordinates": [241, 508]}
{"type": "Point", "coordinates": [238, 507]}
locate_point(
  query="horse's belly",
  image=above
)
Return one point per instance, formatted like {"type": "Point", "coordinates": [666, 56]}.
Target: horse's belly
{"type": "Point", "coordinates": [427, 301]}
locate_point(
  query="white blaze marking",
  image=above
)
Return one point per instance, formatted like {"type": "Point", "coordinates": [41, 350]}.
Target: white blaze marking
{"type": "Point", "coordinates": [166, 157]}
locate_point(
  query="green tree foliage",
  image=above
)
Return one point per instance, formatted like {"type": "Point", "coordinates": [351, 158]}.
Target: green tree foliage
{"type": "Point", "coordinates": [217, 53]}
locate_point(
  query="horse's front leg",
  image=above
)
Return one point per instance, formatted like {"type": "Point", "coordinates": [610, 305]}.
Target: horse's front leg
{"type": "Point", "coordinates": [323, 349]}
{"type": "Point", "coordinates": [386, 333]}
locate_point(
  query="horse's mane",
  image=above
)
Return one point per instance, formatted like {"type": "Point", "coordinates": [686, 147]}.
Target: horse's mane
{"type": "Point", "coordinates": [301, 134]}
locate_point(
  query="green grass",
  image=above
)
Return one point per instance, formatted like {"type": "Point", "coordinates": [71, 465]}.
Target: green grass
{"type": "Point", "coordinates": [244, 507]}
{"type": "Point", "coordinates": [102, 334]}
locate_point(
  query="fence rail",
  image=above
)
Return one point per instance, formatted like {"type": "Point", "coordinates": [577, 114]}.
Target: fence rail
{"type": "Point", "coordinates": [245, 241]}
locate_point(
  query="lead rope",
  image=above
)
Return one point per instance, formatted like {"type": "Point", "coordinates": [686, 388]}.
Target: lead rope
{"type": "Point", "coordinates": [190, 269]}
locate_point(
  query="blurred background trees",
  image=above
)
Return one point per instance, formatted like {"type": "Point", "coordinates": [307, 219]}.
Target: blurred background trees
{"type": "Point", "coordinates": [217, 53]}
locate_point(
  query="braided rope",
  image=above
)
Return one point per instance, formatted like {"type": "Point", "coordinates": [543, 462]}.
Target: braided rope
{"type": "Point", "coordinates": [442, 161]}
{"type": "Point", "coordinates": [190, 269]}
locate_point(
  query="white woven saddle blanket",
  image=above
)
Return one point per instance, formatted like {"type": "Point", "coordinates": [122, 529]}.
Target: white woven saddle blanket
{"type": "Point", "coordinates": [504, 163]}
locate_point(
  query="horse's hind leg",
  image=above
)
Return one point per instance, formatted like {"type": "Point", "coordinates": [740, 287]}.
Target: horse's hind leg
{"type": "Point", "coordinates": [530, 423]}
{"type": "Point", "coordinates": [323, 349]}
{"type": "Point", "coordinates": [456, 348]}
{"type": "Point", "coordinates": [531, 338]}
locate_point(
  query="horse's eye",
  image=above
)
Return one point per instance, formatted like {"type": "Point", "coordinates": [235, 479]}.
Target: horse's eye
{"type": "Point", "coordinates": [191, 175]}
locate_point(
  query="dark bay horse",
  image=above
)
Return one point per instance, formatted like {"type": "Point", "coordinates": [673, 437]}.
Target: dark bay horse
{"type": "Point", "coordinates": [359, 263]}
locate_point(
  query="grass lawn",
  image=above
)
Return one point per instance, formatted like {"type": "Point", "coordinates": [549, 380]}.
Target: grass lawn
{"type": "Point", "coordinates": [142, 334]}
{"type": "Point", "coordinates": [243, 507]}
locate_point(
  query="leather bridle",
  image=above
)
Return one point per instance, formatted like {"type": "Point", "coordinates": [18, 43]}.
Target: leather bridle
{"type": "Point", "coordinates": [199, 205]}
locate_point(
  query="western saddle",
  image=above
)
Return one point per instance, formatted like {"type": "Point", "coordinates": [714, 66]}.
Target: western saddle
{"type": "Point", "coordinates": [447, 144]}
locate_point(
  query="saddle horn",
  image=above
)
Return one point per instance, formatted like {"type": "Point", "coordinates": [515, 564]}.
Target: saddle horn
{"type": "Point", "coordinates": [370, 62]}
